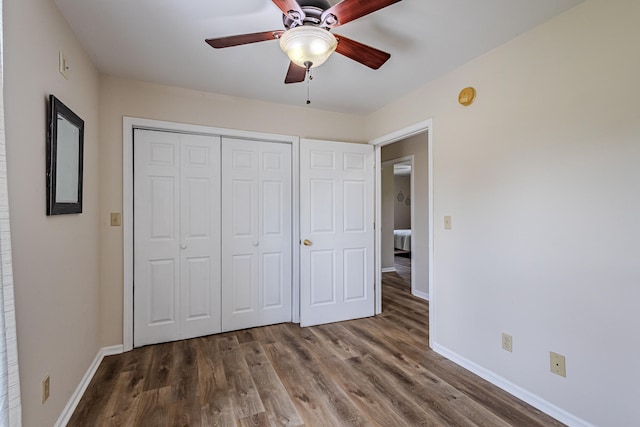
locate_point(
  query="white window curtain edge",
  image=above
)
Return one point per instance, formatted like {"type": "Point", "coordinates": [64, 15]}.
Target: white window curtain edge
{"type": "Point", "coordinates": [10, 404]}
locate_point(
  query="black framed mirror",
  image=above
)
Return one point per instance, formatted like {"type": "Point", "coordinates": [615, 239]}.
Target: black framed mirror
{"type": "Point", "coordinates": [65, 144]}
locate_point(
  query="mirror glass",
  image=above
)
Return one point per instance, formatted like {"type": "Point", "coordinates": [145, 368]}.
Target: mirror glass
{"type": "Point", "coordinates": [68, 161]}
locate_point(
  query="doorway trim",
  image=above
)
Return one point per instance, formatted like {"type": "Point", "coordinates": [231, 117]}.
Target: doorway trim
{"type": "Point", "coordinates": [128, 126]}
{"type": "Point", "coordinates": [425, 126]}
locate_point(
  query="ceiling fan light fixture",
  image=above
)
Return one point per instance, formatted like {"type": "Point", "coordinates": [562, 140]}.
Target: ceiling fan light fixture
{"type": "Point", "coordinates": [308, 44]}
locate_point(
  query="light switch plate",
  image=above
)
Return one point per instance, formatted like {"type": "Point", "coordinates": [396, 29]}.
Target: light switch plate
{"type": "Point", "coordinates": [116, 219]}
{"type": "Point", "coordinates": [63, 65]}
{"type": "Point", "coordinates": [447, 222]}
{"type": "Point", "coordinates": [46, 388]}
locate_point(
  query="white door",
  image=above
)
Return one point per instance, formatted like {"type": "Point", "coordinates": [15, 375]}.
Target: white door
{"type": "Point", "coordinates": [256, 236]}
{"type": "Point", "coordinates": [176, 236]}
{"type": "Point", "coordinates": [336, 228]}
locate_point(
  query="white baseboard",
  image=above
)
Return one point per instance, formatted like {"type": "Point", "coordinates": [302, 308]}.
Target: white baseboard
{"type": "Point", "coordinates": [66, 414]}
{"type": "Point", "coordinates": [388, 270]}
{"type": "Point", "coordinates": [517, 391]}
{"type": "Point", "coordinates": [420, 294]}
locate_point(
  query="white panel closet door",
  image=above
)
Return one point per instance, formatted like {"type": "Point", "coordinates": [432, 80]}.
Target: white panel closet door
{"type": "Point", "coordinates": [336, 223]}
{"type": "Point", "coordinates": [200, 231]}
{"type": "Point", "coordinates": [256, 213]}
{"type": "Point", "coordinates": [176, 236]}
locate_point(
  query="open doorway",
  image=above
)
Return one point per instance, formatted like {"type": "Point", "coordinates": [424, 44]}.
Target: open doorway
{"type": "Point", "coordinates": [409, 150]}
{"type": "Point", "coordinates": [396, 222]}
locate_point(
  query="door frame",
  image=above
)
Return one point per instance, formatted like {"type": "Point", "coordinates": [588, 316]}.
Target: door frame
{"type": "Point", "coordinates": [425, 126]}
{"type": "Point", "coordinates": [128, 126]}
{"type": "Point", "coordinates": [392, 162]}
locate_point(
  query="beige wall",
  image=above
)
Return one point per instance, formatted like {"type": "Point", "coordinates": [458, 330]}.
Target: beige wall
{"type": "Point", "coordinates": [541, 178]}
{"type": "Point", "coordinates": [402, 211]}
{"type": "Point", "coordinates": [120, 98]}
{"type": "Point", "coordinates": [55, 259]}
{"type": "Point", "coordinates": [418, 147]}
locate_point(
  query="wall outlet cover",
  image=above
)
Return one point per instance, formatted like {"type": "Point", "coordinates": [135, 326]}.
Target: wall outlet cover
{"type": "Point", "coordinates": [558, 364]}
{"type": "Point", "coordinates": [507, 342]}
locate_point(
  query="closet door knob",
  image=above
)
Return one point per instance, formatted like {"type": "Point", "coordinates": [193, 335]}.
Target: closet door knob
{"type": "Point", "coordinates": [307, 242]}
{"type": "Point", "coordinates": [256, 243]}
{"type": "Point", "coordinates": [183, 246]}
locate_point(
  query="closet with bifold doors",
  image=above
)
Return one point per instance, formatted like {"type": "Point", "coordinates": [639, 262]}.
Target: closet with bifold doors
{"type": "Point", "coordinates": [212, 234]}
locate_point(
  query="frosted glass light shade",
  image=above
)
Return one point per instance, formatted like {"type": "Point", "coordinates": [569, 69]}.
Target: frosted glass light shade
{"type": "Point", "coordinates": [307, 43]}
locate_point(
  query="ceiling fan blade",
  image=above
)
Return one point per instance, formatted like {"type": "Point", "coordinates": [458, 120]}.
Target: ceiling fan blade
{"type": "Point", "coordinates": [366, 55]}
{"type": "Point", "coordinates": [296, 74]}
{"type": "Point", "coordinates": [287, 5]}
{"type": "Point", "coordinates": [241, 39]}
{"type": "Point", "coordinates": [349, 10]}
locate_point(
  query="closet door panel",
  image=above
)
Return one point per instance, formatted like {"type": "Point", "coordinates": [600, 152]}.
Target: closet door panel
{"type": "Point", "coordinates": [200, 230]}
{"type": "Point", "coordinates": [256, 203]}
{"type": "Point", "coordinates": [275, 232]}
{"type": "Point", "coordinates": [176, 236]}
{"type": "Point", "coordinates": [156, 237]}
{"type": "Point", "coordinates": [240, 239]}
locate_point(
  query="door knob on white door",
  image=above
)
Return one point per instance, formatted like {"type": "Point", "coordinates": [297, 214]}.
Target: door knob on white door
{"type": "Point", "coordinates": [183, 246]}
{"type": "Point", "coordinates": [256, 243]}
{"type": "Point", "coordinates": [307, 242]}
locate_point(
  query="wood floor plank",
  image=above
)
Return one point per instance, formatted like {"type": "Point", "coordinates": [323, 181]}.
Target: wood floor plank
{"type": "Point", "coordinates": [152, 409]}
{"type": "Point", "coordinates": [332, 337]}
{"type": "Point", "coordinates": [257, 420]}
{"type": "Point", "coordinates": [185, 382]}
{"type": "Point", "coordinates": [373, 396]}
{"type": "Point", "coordinates": [121, 406]}
{"type": "Point", "coordinates": [211, 375]}
{"type": "Point", "coordinates": [218, 411]}
{"type": "Point", "coordinates": [159, 370]}
{"type": "Point", "coordinates": [318, 399]}
{"type": "Point", "coordinates": [280, 409]}
{"type": "Point", "coordinates": [244, 394]}
{"type": "Point", "coordinates": [301, 341]}
{"type": "Point", "coordinates": [303, 395]}
{"type": "Point", "coordinates": [446, 404]}
{"type": "Point", "coordinates": [368, 372]}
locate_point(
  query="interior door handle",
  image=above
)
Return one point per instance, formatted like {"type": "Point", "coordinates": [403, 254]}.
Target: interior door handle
{"type": "Point", "coordinates": [307, 242]}
{"type": "Point", "coordinates": [183, 246]}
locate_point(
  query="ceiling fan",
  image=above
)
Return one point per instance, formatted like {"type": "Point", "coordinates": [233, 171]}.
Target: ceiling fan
{"type": "Point", "coordinates": [307, 39]}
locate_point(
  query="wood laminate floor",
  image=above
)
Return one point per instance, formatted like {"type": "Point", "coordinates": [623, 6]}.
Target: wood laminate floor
{"type": "Point", "coordinates": [368, 372]}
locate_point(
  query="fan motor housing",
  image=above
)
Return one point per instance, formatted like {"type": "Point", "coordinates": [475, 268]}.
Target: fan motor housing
{"type": "Point", "coordinates": [312, 9]}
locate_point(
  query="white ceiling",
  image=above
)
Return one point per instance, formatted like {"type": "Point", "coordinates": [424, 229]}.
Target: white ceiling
{"type": "Point", "coordinates": [162, 41]}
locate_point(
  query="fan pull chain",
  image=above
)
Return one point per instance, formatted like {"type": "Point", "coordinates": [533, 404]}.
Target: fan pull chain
{"type": "Point", "coordinates": [309, 88]}
{"type": "Point", "coordinates": [309, 78]}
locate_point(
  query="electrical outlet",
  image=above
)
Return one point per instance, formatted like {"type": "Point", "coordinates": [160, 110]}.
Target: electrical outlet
{"type": "Point", "coordinates": [558, 365]}
{"type": "Point", "coordinates": [507, 342]}
{"type": "Point", "coordinates": [46, 387]}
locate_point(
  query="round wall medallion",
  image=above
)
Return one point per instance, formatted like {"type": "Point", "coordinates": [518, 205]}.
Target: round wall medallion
{"type": "Point", "coordinates": [467, 96]}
